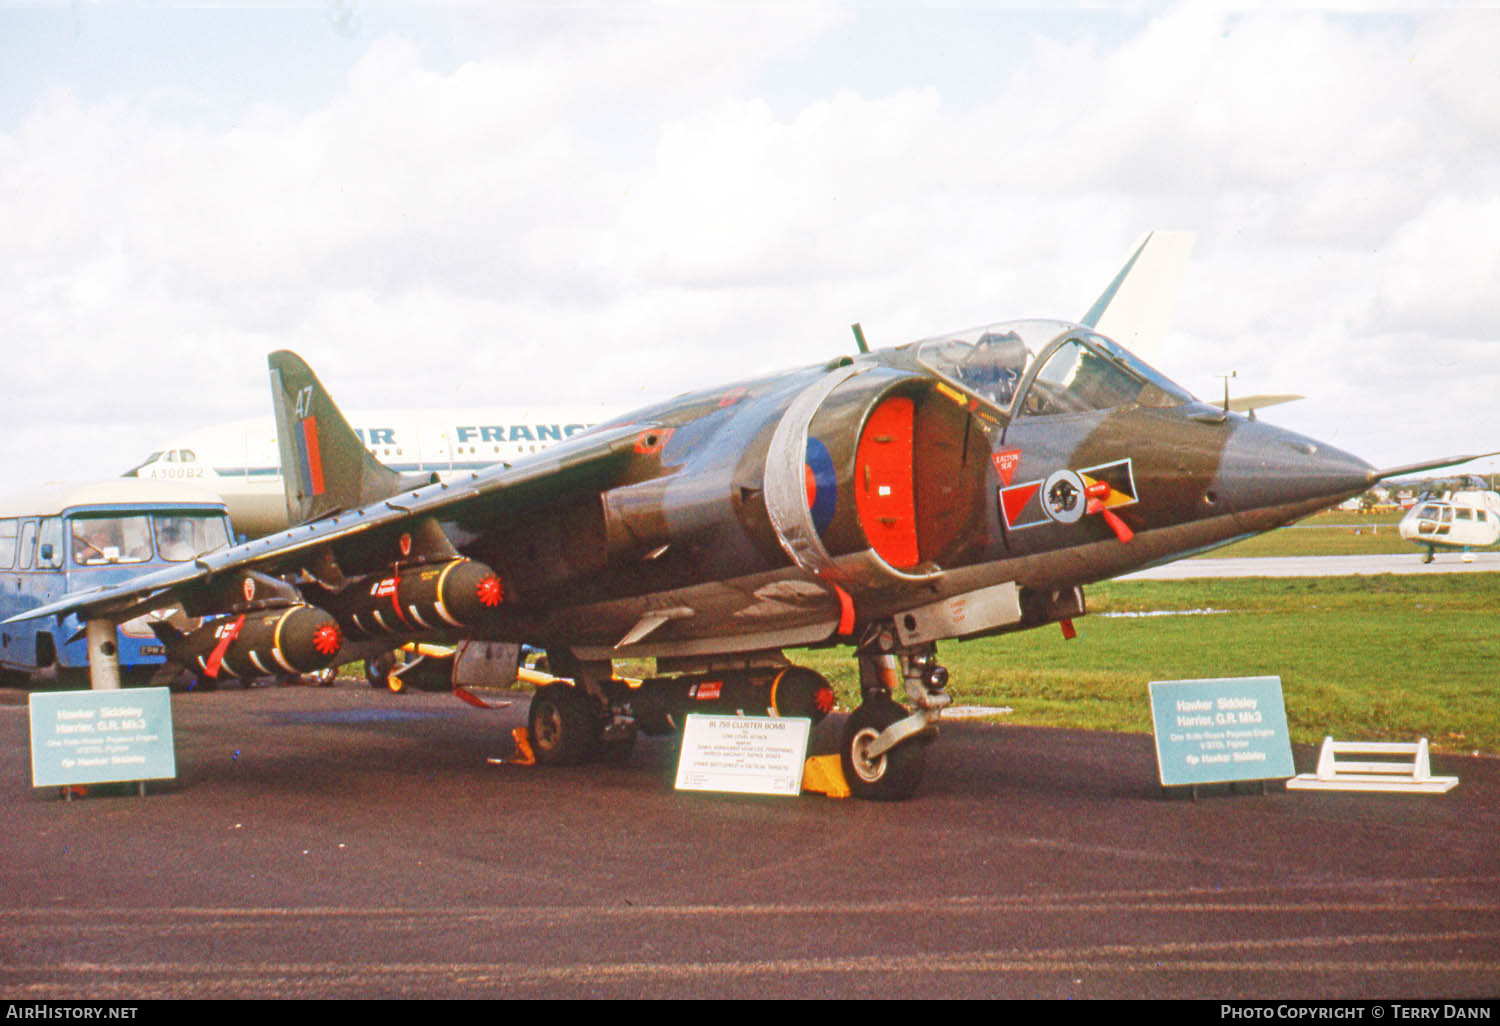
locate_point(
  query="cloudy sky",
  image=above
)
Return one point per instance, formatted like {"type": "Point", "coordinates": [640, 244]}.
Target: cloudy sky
{"type": "Point", "coordinates": [616, 202]}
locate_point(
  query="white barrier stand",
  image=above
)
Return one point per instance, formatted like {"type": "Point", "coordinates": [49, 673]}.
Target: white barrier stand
{"type": "Point", "coordinates": [1412, 774]}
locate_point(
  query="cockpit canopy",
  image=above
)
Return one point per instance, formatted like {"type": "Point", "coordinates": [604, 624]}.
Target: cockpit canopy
{"type": "Point", "coordinates": [1040, 367]}
{"type": "Point", "coordinates": [172, 458]}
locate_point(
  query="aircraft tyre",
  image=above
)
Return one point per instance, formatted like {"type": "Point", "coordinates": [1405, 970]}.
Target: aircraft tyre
{"type": "Point", "coordinates": [380, 671]}
{"type": "Point", "coordinates": [891, 776]}
{"type": "Point", "coordinates": [563, 725]}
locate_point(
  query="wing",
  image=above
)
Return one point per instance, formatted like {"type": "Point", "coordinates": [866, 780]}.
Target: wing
{"type": "Point", "coordinates": [569, 543]}
{"type": "Point", "coordinates": [1251, 403]}
{"type": "Point", "coordinates": [360, 536]}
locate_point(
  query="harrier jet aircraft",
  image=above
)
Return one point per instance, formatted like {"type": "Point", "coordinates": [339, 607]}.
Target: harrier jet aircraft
{"type": "Point", "coordinates": [965, 485]}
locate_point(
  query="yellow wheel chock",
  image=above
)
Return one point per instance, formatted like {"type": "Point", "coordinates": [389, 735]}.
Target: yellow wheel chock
{"type": "Point", "coordinates": [524, 755]}
{"type": "Point", "coordinates": [824, 774]}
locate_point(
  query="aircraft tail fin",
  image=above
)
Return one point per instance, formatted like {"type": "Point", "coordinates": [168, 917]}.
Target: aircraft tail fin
{"type": "Point", "coordinates": [325, 467]}
{"type": "Point", "coordinates": [1136, 308]}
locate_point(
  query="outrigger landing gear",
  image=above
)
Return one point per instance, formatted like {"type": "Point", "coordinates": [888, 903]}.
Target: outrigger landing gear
{"type": "Point", "coordinates": [884, 748]}
{"type": "Point", "coordinates": [380, 671]}
{"type": "Point", "coordinates": [425, 667]}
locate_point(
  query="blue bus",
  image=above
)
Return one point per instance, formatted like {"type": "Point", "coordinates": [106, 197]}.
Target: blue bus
{"type": "Point", "coordinates": [77, 538]}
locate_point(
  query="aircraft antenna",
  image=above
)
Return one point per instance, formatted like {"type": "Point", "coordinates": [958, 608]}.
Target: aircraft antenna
{"type": "Point", "coordinates": [1226, 377]}
{"type": "Point", "coordinates": [859, 337]}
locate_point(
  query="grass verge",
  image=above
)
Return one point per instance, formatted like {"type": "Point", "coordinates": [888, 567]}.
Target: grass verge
{"type": "Point", "coordinates": [1332, 533]}
{"type": "Point", "coordinates": [1391, 657]}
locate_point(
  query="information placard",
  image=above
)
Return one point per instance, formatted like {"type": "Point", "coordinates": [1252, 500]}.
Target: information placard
{"type": "Point", "coordinates": [99, 737]}
{"type": "Point", "coordinates": [1220, 730]}
{"type": "Point", "coordinates": [743, 754]}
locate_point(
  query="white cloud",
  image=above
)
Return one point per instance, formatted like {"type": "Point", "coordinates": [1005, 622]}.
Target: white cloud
{"type": "Point", "coordinates": [599, 206]}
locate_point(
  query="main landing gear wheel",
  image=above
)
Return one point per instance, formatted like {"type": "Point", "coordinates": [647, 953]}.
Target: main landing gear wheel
{"type": "Point", "coordinates": [894, 774]}
{"type": "Point", "coordinates": [564, 725]}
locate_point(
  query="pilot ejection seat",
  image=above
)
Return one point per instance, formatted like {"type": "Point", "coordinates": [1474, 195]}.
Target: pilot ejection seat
{"type": "Point", "coordinates": [995, 366]}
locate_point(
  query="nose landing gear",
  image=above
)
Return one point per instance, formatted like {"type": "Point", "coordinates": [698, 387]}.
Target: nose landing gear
{"type": "Point", "coordinates": [883, 750]}
{"type": "Point", "coordinates": [874, 768]}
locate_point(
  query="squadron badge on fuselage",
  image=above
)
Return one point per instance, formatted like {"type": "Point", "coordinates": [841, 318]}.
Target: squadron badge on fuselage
{"type": "Point", "coordinates": [1064, 496]}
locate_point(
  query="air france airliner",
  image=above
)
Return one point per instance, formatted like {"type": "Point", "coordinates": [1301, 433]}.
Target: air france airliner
{"type": "Point", "coordinates": [239, 461]}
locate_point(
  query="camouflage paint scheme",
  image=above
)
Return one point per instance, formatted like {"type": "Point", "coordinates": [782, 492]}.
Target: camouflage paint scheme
{"type": "Point", "coordinates": [689, 516]}
{"type": "Point", "coordinates": [959, 486]}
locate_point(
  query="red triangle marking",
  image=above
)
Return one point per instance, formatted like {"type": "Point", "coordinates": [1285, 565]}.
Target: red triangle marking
{"type": "Point", "coordinates": [1015, 499]}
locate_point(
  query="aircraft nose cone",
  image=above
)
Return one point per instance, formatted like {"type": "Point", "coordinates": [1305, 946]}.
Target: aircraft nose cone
{"type": "Point", "coordinates": [1272, 476]}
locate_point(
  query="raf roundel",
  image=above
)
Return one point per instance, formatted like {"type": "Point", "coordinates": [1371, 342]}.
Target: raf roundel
{"type": "Point", "coordinates": [821, 483]}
